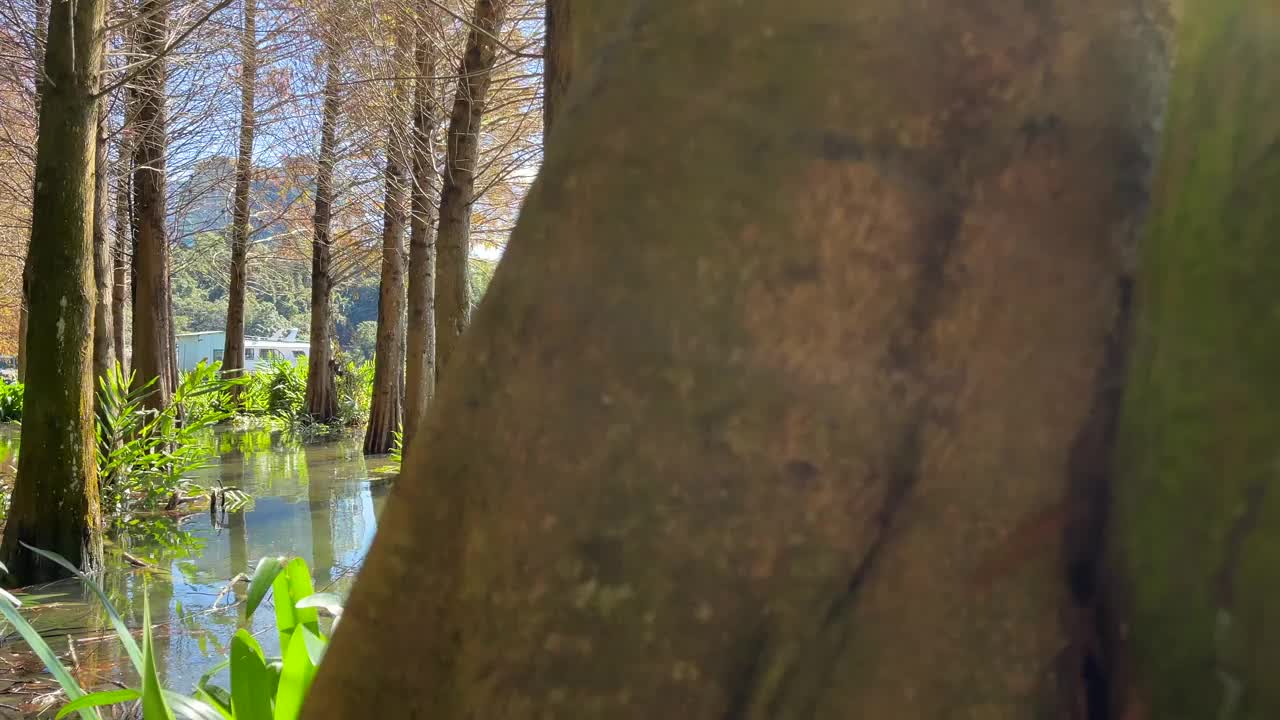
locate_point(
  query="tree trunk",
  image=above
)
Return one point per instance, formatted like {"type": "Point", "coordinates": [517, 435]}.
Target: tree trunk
{"type": "Point", "coordinates": [103, 244]}
{"type": "Point", "coordinates": [453, 297]}
{"type": "Point", "coordinates": [120, 293]}
{"type": "Point", "coordinates": [557, 59]}
{"type": "Point", "coordinates": [55, 497]}
{"type": "Point", "coordinates": [41, 35]}
{"type": "Point", "coordinates": [152, 356]}
{"type": "Point", "coordinates": [1194, 523]}
{"type": "Point", "coordinates": [386, 409]}
{"type": "Point", "coordinates": [761, 410]}
{"type": "Point", "coordinates": [420, 351]}
{"type": "Point", "coordinates": [321, 398]}
{"type": "Point", "coordinates": [233, 352]}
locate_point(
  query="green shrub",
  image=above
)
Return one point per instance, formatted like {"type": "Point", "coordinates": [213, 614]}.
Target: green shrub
{"type": "Point", "coordinates": [11, 402]}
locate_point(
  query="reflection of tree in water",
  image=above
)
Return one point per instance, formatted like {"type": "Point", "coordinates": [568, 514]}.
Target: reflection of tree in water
{"type": "Point", "coordinates": [320, 505]}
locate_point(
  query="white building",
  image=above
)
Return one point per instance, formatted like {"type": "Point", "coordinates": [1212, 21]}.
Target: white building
{"type": "Point", "coordinates": [258, 351]}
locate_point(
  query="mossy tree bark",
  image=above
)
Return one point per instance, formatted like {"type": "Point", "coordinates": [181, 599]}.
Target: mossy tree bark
{"type": "Point", "coordinates": [770, 399]}
{"type": "Point", "coordinates": [238, 277]}
{"type": "Point", "coordinates": [457, 192]}
{"type": "Point", "coordinates": [322, 393]}
{"type": "Point", "coordinates": [55, 497]}
{"type": "Point", "coordinates": [386, 407]}
{"type": "Point", "coordinates": [152, 331]}
{"type": "Point", "coordinates": [1196, 524]}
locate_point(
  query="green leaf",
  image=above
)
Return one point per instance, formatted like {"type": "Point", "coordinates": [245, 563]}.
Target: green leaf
{"type": "Point", "coordinates": [47, 656]}
{"type": "Point", "coordinates": [98, 699]}
{"type": "Point", "coordinates": [218, 699]}
{"type": "Point", "coordinates": [266, 572]}
{"type": "Point", "coordinates": [296, 675]}
{"type": "Point", "coordinates": [289, 587]}
{"type": "Point", "coordinates": [117, 622]}
{"type": "Point", "coordinates": [250, 686]}
{"type": "Point", "coordinates": [316, 646]}
{"type": "Point", "coordinates": [154, 706]}
{"type": "Point", "coordinates": [329, 602]}
{"type": "Point", "coordinates": [193, 708]}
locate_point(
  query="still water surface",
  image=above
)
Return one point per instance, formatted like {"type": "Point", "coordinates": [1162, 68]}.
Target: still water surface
{"type": "Point", "coordinates": [316, 500]}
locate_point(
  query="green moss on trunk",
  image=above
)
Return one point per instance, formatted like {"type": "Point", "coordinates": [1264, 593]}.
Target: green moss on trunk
{"type": "Point", "coordinates": [1197, 520]}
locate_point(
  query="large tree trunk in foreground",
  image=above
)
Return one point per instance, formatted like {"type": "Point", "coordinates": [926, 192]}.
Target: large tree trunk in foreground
{"type": "Point", "coordinates": [322, 392]}
{"type": "Point", "coordinates": [104, 351]}
{"type": "Point", "coordinates": [420, 353]}
{"type": "Point", "coordinates": [152, 354]}
{"type": "Point", "coordinates": [1195, 525]}
{"type": "Point", "coordinates": [385, 409]}
{"type": "Point", "coordinates": [453, 241]}
{"type": "Point", "coordinates": [814, 358]}
{"type": "Point", "coordinates": [55, 497]}
{"type": "Point", "coordinates": [233, 349]}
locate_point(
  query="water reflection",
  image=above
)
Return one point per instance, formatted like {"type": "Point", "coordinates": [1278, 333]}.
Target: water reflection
{"type": "Point", "coordinates": [317, 501]}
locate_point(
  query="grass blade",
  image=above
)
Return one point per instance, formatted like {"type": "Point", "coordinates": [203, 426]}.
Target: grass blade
{"type": "Point", "coordinates": [47, 656]}
{"type": "Point", "coordinates": [117, 622]}
{"type": "Point", "coordinates": [154, 706]}
{"type": "Point", "coordinates": [98, 699]}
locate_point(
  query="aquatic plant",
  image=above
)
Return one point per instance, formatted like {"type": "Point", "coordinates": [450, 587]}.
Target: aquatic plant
{"type": "Point", "coordinates": [11, 401]}
{"type": "Point", "coordinates": [261, 687]}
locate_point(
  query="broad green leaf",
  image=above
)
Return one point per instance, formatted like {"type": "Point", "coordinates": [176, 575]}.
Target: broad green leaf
{"type": "Point", "coordinates": [329, 602]}
{"type": "Point", "coordinates": [47, 656]}
{"type": "Point", "coordinates": [290, 586]}
{"type": "Point", "coordinates": [250, 686]}
{"type": "Point", "coordinates": [154, 706]}
{"type": "Point", "coordinates": [98, 699]}
{"type": "Point", "coordinates": [266, 572]}
{"type": "Point", "coordinates": [217, 698]}
{"type": "Point", "coordinates": [117, 622]}
{"type": "Point", "coordinates": [194, 709]}
{"type": "Point", "coordinates": [296, 675]}
{"type": "Point", "coordinates": [316, 646]}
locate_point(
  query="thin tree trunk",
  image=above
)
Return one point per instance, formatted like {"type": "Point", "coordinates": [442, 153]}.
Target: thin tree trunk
{"type": "Point", "coordinates": [769, 398]}
{"type": "Point", "coordinates": [421, 334]}
{"type": "Point", "coordinates": [121, 255]}
{"type": "Point", "coordinates": [233, 353]}
{"type": "Point", "coordinates": [321, 398]}
{"type": "Point", "coordinates": [453, 243]}
{"type": "Point", "coordinates": [55, 505]}
{"type": "Point", "coordinates": [386, 411]}
{"type": "Point", "coordinates": [152, 342]}
{"type": "Point", "coordinates": [1194, 526]}
{"type": "Point", "coordinates": [42, 21]}
{"type": "Point", "coordinates": [103, 243]}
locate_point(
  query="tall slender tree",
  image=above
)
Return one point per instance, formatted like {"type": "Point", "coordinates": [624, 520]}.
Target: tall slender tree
{"type": "Point", "coordinates": [421, 333]}
{"type": "Point", "coordinates": [322, 393]}
{"type": "Point", "coordinates": [41, 27]}
{"type": "Point", "coordinates": [104, 351]}
{"type": "Point", "coordinates": [55, 497]}
{"type": "Point", "coordinates": [233, 352]}
{"type": "Point", "coordinates": [123, 250]}
{"type": "Point", "coordinates": [457, 192]}
{"type": "Point", "coordinates": [771, 395]}
{"type": "Point", "coordinates": [386, 408]}
{"type": "Point", "coordinates": [152, 327]}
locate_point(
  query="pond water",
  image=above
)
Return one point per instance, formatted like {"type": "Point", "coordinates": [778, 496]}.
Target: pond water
{"type": "Point", "coordinates": [315, 500]}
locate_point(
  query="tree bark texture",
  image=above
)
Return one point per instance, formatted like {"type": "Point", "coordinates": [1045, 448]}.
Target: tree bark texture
{"type": "Point", "coordinates": [322, 393]}
{"type": "Point", "coordinates": [104, 351]}
{"type": "Point", "coordinates": [41, 37]}
{"type": "Point", "coordinates": [772, 400]}
{"type": "Point", "coordinates": [120, 293]}
{"type": "Point", "coordinates": [1195, 522]}
{"type": "Point", "coordinates": [421, 332]}
{"type": "Point", "coordinates": [55, 505]}
{"type": "Point", "coordinates": [152, 332]}
{"type": "Point", "coordinates": [386, 409]}
{"type": "Point", "coordinates": [453, 244]}
{"type": "Point", "coordinates": [233, 350]}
